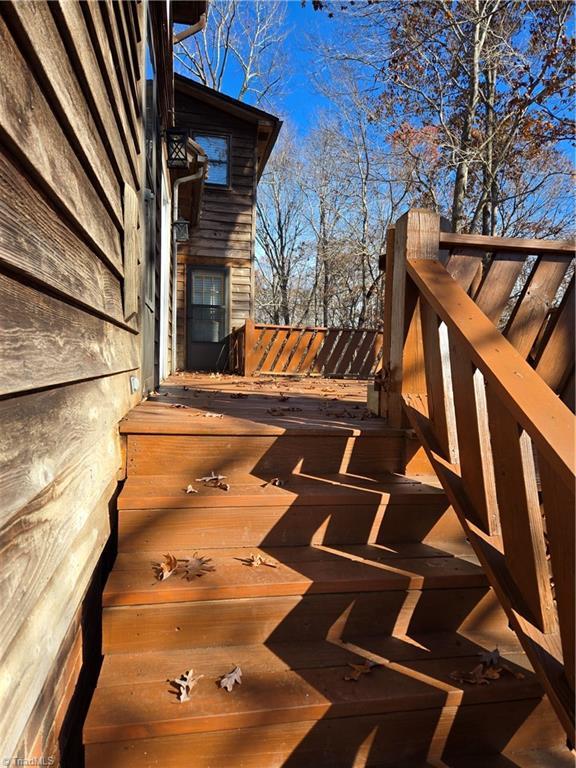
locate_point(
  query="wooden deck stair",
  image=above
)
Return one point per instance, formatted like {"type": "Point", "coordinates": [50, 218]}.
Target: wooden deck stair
{"type": "Point", "coordinates": [370, 566]}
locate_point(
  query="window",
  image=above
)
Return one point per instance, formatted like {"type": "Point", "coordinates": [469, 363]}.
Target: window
{"type": "Point", "coordinates": [208, 310]}
{"type": "Point", "coordinates": [217, 150]}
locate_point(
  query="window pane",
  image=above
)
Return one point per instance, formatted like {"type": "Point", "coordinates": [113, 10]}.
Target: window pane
{"type": "Point", "coordinates": [208, 324]}
{"type": "Point", "coordinates": [216, 148]}
{"type": "Point", "coordinates": [208, 289]}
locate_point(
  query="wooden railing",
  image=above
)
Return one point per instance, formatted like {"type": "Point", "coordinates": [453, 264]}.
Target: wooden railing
{"type": "Point", "coordinates": [499, 438]}
{"type": "Point", "coordinates": [306, 351]}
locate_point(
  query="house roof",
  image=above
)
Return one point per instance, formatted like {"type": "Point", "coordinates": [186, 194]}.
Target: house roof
{"type": "Point", "coordinates": [188, 11]}
{"type": "Point", "coordinates": [268, 125]}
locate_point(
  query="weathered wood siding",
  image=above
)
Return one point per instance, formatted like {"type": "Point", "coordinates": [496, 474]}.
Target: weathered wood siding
{"type": "Point", "coordinates": [225, 233]}
{"type": "Point", "coordinates": [71, 147]}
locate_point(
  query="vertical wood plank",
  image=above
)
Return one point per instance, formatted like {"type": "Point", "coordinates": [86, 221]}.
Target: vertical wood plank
{"type": "Point", "coordinates": [465, 266]}
{"type": "Point", "coordinates": [300, 351]}
{"type": "Point", "coordinates": [497, 286]}
{"type": "Point", "coordinates": [416, 236]}
{"type": "Point", "coordinates": [474, 447]}
{"type": "Point", "coordinates": [267, 364]}
{"type": "Point", "coordinates": [438, 406]}
{"type": "Point", "coordinates": [535, 302]}
{"type": "Point", "coordinates": [520, 516]}
{"type": "Point", "coordinates": [556, 358]}
{"type": "Point", "coordinates": [250, 362]}
{"type": "Point", "coordinates": [313, 350]}
{"type": "Point", "coordinates": [560, 525]}
{"type": "Point", "coordinates": [131, 250]}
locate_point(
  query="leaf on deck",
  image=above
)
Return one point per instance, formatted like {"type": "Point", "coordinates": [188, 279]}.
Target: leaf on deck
{"type": "Point", "coordinates": [210, 415]}
{"type": "Point", "coordinates": [255, 561]}
{"type": "Point", "coordinates": [165, 569]}
{"type": "Point", "coordinates": [212, 480]}
{"type": "Point", "coordinates": [179, 405]}
{"type": "Point", "coordinates": [275, 481]}
{"type": "Point", "coordinates": [196, 566]}
{"type": "Point", "coordinates": [360, 669]}
{"type": "Point", "coordinates": [238, 395]}
{"type": "Point", "coordinates": [490, 668]}
{"type": "Point", "coordinates": [231, 679]}
{"type": "Point", "coordinates": [190, 489]}
{"type": "Point", "coordinates": [185, 683]}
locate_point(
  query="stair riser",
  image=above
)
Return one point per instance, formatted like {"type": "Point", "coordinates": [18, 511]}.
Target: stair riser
{"type": "Point", "coordinates": [402, 740]}
{"type": "Point", "coordinates": [165, 529]}
{"type": "Point", "coordinates": [264, 456]}
{"type": "Point", "coordinates": [248, 621]}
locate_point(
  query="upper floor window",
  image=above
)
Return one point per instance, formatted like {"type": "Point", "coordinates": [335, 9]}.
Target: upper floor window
{"type": "Point", "coordinates": [217, 150]}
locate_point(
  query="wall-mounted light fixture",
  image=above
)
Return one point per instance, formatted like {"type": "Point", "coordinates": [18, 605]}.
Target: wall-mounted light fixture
{"type": "Point", "coordinates": [177, 139]}
{"type": "Point", "coordinates": [181, 230]}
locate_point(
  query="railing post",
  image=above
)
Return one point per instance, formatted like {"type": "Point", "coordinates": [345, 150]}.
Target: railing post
{"type": "Point", "coordinates": [416, 236]}
{"type": "Point", "coordinates": [249, 358]}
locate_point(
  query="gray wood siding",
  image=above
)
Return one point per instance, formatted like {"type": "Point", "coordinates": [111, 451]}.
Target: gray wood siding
{"type": "Point", "coordinates": [224, 235]}
{"type": "Point", "coordinates": [70, 155]}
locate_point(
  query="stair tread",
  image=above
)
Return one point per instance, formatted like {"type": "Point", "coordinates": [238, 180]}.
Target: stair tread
{"type": "Point", "coordinates": [270, 694]}
{"type": "Point", "coordinates": [156, 491]}
{"type": "Point", "coordinates": [301, 570]}
{"type": "Point", "coordinates": [150, 666]}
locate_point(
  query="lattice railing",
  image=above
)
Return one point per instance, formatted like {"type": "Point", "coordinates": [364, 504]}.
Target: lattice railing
{"type": "Point", "coordinates": [305, 351]}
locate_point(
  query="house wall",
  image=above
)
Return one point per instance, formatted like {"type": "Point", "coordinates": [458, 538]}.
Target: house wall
{"type": "Point", "coordinates": [70, 274]}
{"type": "Point", "coordinates": [225, 233]}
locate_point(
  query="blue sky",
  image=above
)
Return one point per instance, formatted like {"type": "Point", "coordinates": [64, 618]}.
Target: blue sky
{"type": "Point", "coordinates": [300, 101]}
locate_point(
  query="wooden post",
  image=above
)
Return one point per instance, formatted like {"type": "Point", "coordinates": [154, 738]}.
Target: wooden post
{"type": "Point", "coordinates": [416, 236]}
{"type": "Point", "coordinates": [249, 358]}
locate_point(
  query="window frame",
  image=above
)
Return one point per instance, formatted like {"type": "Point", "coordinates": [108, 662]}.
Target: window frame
{"type": "Point", "coordinates": [197, 136]}
{"type": "Point", "coordinates": [224, 272]}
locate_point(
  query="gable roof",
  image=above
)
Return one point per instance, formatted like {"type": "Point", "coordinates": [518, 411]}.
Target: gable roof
{"type": "Point", "coordinates": [268, 125]}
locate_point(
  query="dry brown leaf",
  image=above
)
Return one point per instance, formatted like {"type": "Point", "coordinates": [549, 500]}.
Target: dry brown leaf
{"type": "Point", "coordinates": [196, 566]}
{"type": "Point", "coordinates": [210, 415]}
{"type": "Point", "coordinates": [275, 481]}
{"type": "Point", "coordinates": [223, 486]}
{"type": "Point", "coordinates": [360, 669]}
{"type": "Point", "coordinates": [191, 489]}
{"type": "Point", "coordinates": [283, 397]}
{"type": "Point", "coordinates": [238, 395]}
{"type": "Point", "coordinates": [212, 480]}
{"type": "Point", "coordinates": [232, 678]}
{"type": "Point", "coordinates": [167, 568]}
{"type": "Point", "coordinates": [185, 683]}
{"type": "Point", "coordinates": [255, 561]}
{"type": "Point", "coordinates": [179, 405]}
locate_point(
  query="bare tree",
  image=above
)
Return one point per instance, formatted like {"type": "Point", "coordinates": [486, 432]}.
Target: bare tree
{"type": "Point", "coordinates": [281, 226]}
{"type": "Point", "coordinates": [240, 47]}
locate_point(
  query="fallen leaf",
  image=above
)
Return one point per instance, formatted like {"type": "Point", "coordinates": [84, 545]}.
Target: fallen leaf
{"type": "Point", "coordinates": [275, 481]}
{"type": "Point", "coordinates": [179, 405]}
{"type": "Point", "coordinates": [360, 669]}
{"type": "Point", "coordinates": [196, 566]}
{"type": "Point", "coordinates": [228, 681]}
{"type": "Point", "coordinates": [185, 683]}
{"type": "Point", "coordinates": [255, 561]}
{"type": "Point", "coordinates": [212, 480]}
{"type": "Point", "coordinates": [191, 489]}
{"type": "Point", "coordinates": [223, 486]}
{"type": "Point", "coordinates": [238, 395]}
{"type": "Point", "coordinates": [167, 568]}
{"type": "Point", "coordinates": [283, 398]}
{"type": "Point", "coordinates": [209, 415]}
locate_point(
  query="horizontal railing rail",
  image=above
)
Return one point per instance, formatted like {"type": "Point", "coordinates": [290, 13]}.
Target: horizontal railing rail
{"type": "Point", "coordinates": [305, 351]}
{"type": "Point", "coordinates": [500, 439]}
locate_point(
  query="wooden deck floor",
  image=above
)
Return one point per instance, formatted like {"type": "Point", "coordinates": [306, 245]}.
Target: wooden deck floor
{"type": "Point", "coordinates": [190, 403]}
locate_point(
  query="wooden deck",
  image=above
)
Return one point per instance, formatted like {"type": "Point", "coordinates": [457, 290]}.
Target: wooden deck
{"type": "Point", "coordinates": [365, 565]}
{"type": "Point", "coordinates": [210, 404]}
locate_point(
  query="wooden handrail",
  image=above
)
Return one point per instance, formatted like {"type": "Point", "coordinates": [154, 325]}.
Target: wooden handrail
{"type": "Point", "coordinates": [501, 441]}
{"type": "Point", "coordinates": [537, 409]}
{"type": "Point", "coordinates": [487, 244]}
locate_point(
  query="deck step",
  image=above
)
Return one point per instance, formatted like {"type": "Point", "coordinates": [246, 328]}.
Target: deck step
{"type": "Point", "coordinates": [273, 692]}
{"type": "Point", "coordinates": [290, 571]}
{"type": "Point", "coordinates": [265, 455]}
{"type": "Point", "coordinates": [308, 617]}
{"type": "Point", "coordinates": [247, 489]}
